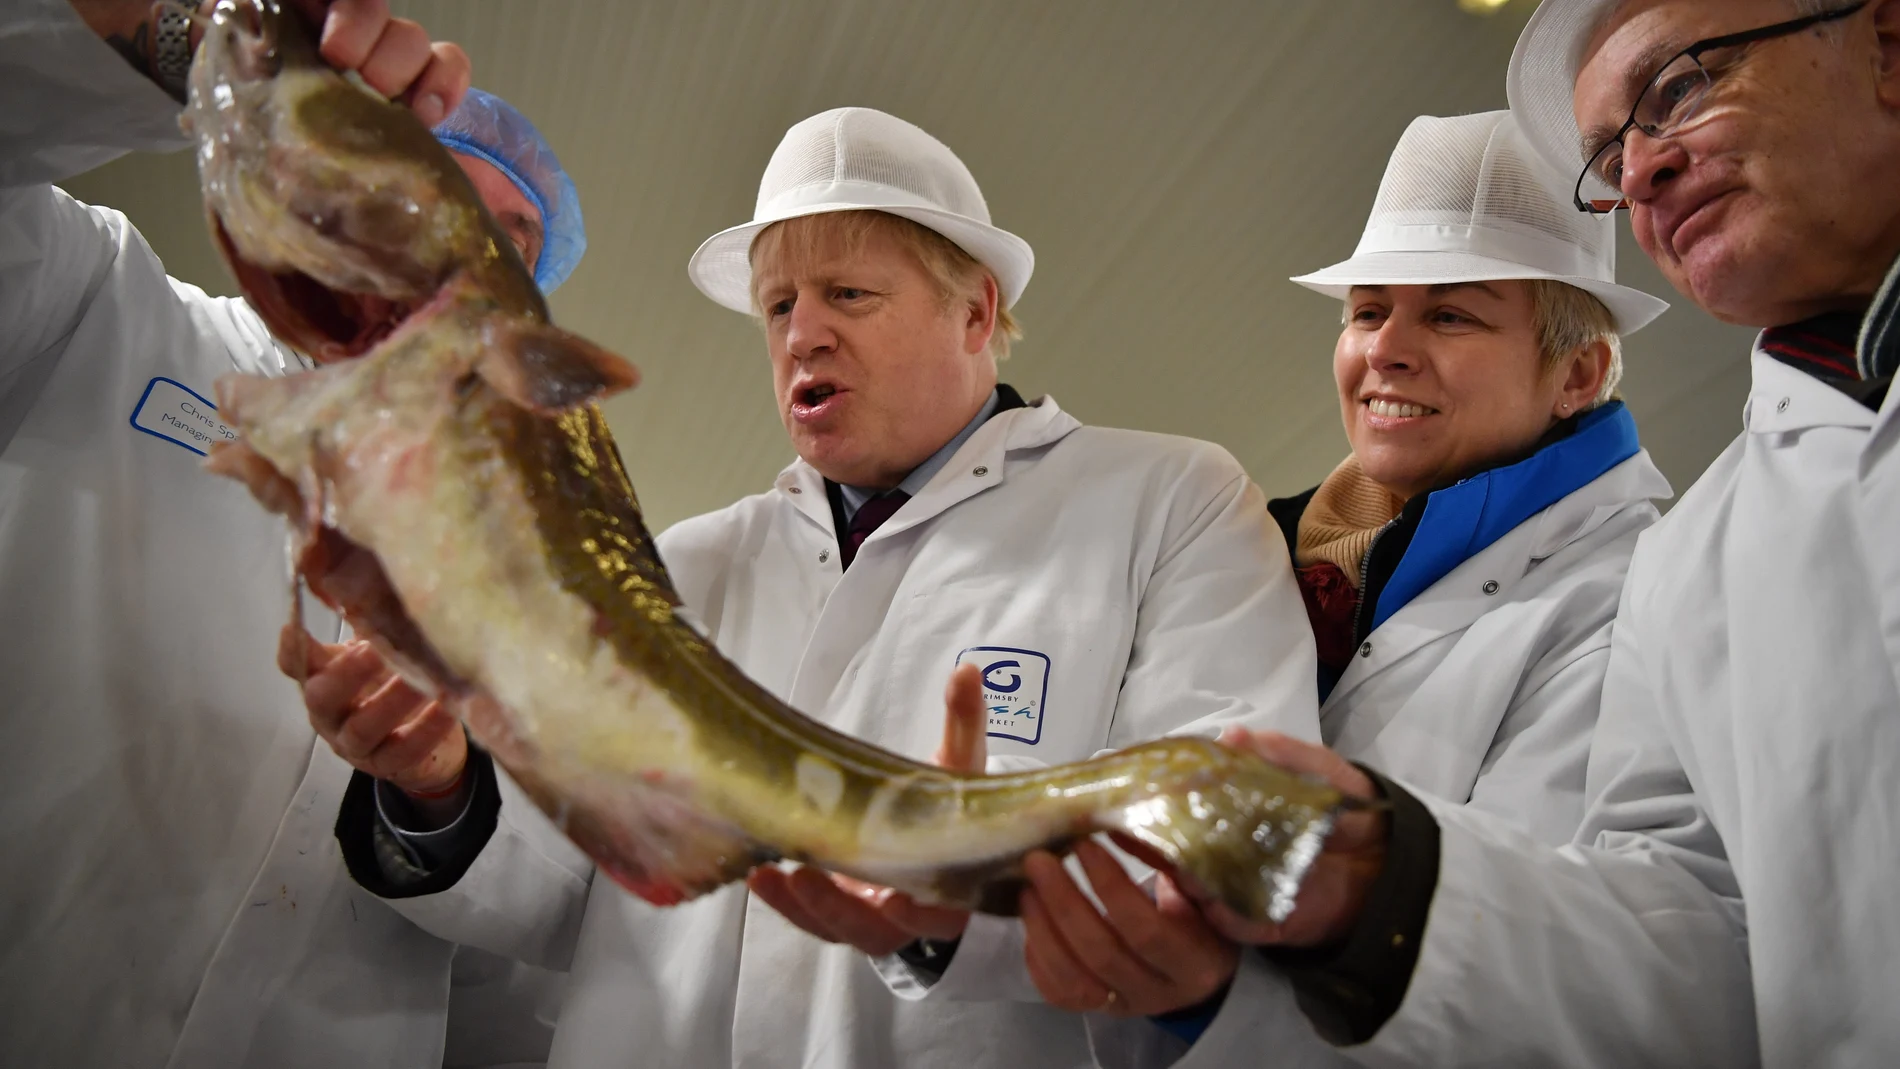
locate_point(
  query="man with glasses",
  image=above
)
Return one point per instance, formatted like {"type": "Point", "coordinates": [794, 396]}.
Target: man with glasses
{"type": "Point", "coordinates": [1729, 899]}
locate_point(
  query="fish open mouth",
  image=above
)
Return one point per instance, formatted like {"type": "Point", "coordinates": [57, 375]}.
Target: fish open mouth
{"type": "Point", "coordinates": [328, 324]}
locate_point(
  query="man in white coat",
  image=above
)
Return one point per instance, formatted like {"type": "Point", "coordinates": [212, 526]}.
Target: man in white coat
{"type": "Point", "coordinates": [1109, 586]}
{"type": "Point", "coordinates": [1729, 900]}
{"type": "Point", "coordinates": [173, 892]}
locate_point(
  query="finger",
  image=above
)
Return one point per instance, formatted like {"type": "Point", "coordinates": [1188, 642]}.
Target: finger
{"type": "Point", "coordinates": [1087, 935]}
{"type": "Point", "coordinates": [770, 884]}
{"type": "Point", "coordinates": [1063, 981]}
{"type": "Point", "coordinates": [398, 58]}
{"type": "Point", "coordinates": [442, 84]}
{"type": "Point", "coordinates": [1132, 917]}
{"type": "Point", "coordinates": [350, 30]}
{"type": "Point", "coordinates": [924, 922]}
{"type": "Point", "coordinates": [849, 917]}
{"type": "Point", "coordinates": [427, 753]}
{"type": "Point", "coordinates": [330, 694]}
{"type": "Point", "coordinates": [1306, 759]}
{"type": "Point", "coordinates": [300, 655]}
{"type": "Point", "coordinates": [388, 704]}
{"type": "Point", "coordinates": [965, 735]}
{"type": "Point", "coordinates": [1239, 929]}
{"type": "Point", "coordinates": [1211, 959]}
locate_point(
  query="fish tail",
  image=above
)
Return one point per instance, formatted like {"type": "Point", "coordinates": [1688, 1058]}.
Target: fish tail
{"type": "Point", "coordinates": [1229, 827]}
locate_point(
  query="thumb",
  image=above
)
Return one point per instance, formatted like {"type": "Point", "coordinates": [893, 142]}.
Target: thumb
{"type": "Point", "coordinates": [299, 655]}
{"type": "Point", "coordinates": [1305, 758]}
{"type": "Point", "coordinates": [965, 744]}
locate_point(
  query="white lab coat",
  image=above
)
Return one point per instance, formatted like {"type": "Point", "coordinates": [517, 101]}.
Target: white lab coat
{"type": "Point", "coordinates": [173, 891]}
{"type": "Point", "coordinates": [1746, 751]}
{"type": "Point", "coordinates": [1483, 696]}
{"type": "Point", "coordinates": [1139, 575]}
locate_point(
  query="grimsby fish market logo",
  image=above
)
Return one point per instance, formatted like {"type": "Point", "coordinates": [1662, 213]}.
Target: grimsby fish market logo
{"type": "Point", "coordinates": [1015, 689]}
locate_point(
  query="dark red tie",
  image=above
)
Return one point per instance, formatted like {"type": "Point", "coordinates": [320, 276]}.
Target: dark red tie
{"type": "Point", "coordinates": [870, 516]}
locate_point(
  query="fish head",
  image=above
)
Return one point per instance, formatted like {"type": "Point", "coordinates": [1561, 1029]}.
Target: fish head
{"type": "Point", "coordinates": [451, 361]}
{"type": "Point", "coordinates": [337, 210]}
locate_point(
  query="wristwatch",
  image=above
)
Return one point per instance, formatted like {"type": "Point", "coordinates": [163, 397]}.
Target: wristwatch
{"type": "Point", "coordinates": [171, 50]}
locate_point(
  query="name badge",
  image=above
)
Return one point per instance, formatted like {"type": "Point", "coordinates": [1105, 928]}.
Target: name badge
{"type": "Point", "coordinates": [1015, 689]}
{"type": "Point", "coordinates": [171, 410]}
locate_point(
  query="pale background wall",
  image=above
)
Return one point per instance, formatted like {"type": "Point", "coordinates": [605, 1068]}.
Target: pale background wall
{"type": "Point", "coordinates": [1172, 164]}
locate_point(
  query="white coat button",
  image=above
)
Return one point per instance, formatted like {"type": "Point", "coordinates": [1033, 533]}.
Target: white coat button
{"type": "Point", "coordinates": [1782, 405]}
{"type": "Point", "coordinates": [795, 489]}
{"type": "Point", "coordinates": [979, 471]}
{"type": "Point", "coordinates": [1365, 650]}
{"type": "Point", "coordinates": [1490, 586]}
{"type": "Point", "coordinates": [824, 555]}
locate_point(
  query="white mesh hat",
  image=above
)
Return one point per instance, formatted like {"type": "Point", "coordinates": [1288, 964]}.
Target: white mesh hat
{"type": "Point", "coordinates": [1542, 82]}
{"type": "Point", "coordinates": [853, 159]}
{"type": "Point", "coordinates": [1464, 199]}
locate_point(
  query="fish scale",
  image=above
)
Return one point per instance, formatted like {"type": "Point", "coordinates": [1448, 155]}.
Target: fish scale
{"type": "Point", "coordinates": [448, 468]}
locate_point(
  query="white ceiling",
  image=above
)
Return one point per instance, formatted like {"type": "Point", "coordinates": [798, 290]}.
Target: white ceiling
{"type": "Point", "coordinates": [1172, 164]}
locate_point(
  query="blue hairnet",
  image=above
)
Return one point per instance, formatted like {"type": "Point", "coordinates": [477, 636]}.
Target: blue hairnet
{"type": "Point", "coordinates": [488, 127]}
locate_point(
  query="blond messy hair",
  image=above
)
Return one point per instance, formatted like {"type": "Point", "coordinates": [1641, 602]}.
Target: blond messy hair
{"type": "Point", "coordinates": [806, 241]}
{"type": "Point", "coordinates": [1568, 318]}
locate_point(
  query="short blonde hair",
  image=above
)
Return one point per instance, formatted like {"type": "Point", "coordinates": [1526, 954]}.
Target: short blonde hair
{"type": "Point", "coordinates": [808, 240]}
{"type": "Point", "coordinates": [1568, 318]}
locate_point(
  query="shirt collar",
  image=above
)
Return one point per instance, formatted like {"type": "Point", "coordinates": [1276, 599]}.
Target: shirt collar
{"type": "Point", "coordinates": [855, 496]}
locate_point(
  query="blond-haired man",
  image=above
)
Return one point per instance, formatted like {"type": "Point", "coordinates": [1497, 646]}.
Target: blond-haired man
{"type": "Point", "coordinates": [1107, 586]}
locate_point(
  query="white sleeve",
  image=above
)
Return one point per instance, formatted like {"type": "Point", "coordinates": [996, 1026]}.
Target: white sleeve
{"type": "Point", "coordinates": [68, 102]}
{"type": "Point", "coordinates": [522, 898]}
{"type": "Point", "coordinates": [1629, 948]}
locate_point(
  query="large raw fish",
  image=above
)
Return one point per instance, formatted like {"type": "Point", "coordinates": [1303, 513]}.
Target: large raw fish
{"type": "Point", "coordinates": [456, 494]}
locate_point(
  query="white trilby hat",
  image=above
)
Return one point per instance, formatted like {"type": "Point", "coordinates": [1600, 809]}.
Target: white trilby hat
{"type": "Point", "coordinates": [1542, 82]}
{"type": "Point", "coordinates": [1464, 199]}
{"type": "Point", "coordinates": [856, 159]}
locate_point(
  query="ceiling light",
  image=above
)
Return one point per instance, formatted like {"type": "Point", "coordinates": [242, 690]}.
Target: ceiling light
{"type": "Point", "coordinates": [1482, 7]}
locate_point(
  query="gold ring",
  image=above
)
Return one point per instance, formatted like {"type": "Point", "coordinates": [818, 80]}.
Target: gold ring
{"type": "Point", "coordinates": [1109, 1002]}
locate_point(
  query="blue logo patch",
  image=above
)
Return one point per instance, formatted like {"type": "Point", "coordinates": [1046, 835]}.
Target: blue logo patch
{"type": "Point", "coordinates": [171, 410]}
{"type": "Point", "coordinates": [1015, 689]}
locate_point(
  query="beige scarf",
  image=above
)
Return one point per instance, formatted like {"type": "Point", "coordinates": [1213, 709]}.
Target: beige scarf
{"type": "Point", "coordinates": [1339, 523]}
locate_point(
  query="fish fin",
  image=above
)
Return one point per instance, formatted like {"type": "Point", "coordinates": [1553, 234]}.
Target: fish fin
{"type": "Point", "coordinates": [1236, 829]}
{"type": "Point", "coordinates": [546, 370]}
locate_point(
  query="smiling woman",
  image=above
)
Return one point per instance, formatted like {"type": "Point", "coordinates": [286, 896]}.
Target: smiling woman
{"type": "Point", "coordinates": [1481, 339]}
{"type": "Point", "coordinates": [1438, 382]}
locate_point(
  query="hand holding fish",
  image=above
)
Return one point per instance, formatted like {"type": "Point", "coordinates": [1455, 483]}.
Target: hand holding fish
{"type": "Point", "coordinates": [373, 719]}
{"type": "Point", "coordinates": [880, 920]}
{"type": "Point", "coordinates": [1335, 889]}
{"type": "Point", "coordinates": [394, 56]}
{"type": "Point", "coordinates": [1136, 956]}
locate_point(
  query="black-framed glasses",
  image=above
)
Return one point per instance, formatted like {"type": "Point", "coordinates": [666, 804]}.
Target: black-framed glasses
{"type": "Point", "coordinates": [1674, 96]}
